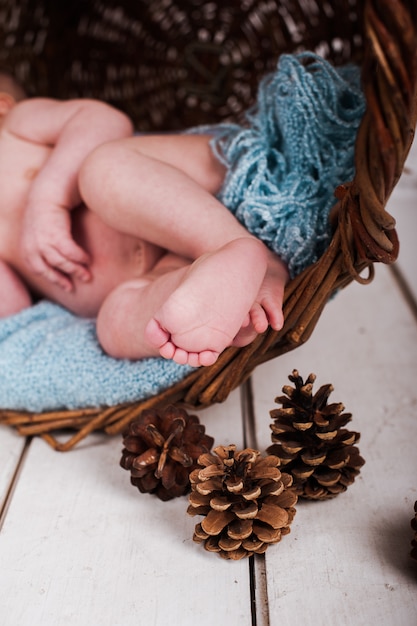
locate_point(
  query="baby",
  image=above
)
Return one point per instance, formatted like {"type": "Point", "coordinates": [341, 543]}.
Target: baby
{"type": "Point", "coordinates": [127, 229]}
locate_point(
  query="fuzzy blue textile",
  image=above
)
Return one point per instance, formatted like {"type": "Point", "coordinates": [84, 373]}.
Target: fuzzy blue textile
{"type": "Point", "coordinates": [51, 359]}
{"type": "Point", "coordinates": [295, 147]}
{"type": "Point", "coordinates": [284, 163]}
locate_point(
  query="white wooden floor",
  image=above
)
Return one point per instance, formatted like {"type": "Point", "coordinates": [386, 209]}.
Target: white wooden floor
{"type": "Point", "coordinates": [79, 546]}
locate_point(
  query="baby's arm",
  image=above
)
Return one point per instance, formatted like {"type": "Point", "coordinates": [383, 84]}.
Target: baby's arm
{"type": "Point", "coordinates": [72, 128]}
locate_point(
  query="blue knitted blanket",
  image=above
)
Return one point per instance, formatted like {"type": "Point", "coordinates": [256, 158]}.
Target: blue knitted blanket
{"type": "Point", "coordinates": [284, 162]}
{"type": "Point", "coordinates": [51, 359]}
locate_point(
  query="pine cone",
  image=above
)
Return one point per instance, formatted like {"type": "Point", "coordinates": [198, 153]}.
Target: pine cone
{"type": "Point", "coordinates": [414, 527]}
{"type": "Point", "coordinates": [310, 440]}
{"type": "Point", "coordinates": [245, 499]}
{"type": "Point", "coordinates": [162, 448]}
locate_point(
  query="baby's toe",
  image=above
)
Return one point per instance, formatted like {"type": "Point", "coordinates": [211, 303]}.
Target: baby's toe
{"type": "Point", "coordinates": [258, 318]}
{"type": "Point", "coordinates": [156, 335]}
{"type": "Point", "coordinates": [180, 356]}
{"type": "Point", "coordinates": [167, 350]}
{"type": "Point", "coordinates": [208, 357]}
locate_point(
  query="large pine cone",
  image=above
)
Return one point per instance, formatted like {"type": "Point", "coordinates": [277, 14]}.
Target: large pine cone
{"type": "Point", "coordinates": [310, 440]}
{"type": "Point", "coordinates": [414, 527]}
{"type": "Point", "coordinates": [162, 448]}
{"type": "Point", "coordinates": [247, 502]}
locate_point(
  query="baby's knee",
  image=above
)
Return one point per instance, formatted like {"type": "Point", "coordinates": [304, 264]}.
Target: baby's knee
{"type": "Point", "coordinates": [88, 177]}
{"type": "Point", "coordinates": [97, 175]}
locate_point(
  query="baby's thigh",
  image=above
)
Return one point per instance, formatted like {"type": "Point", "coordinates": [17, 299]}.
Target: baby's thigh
{"type": "Point", "coordinates": [189, 153]}
{"type": "Point", "coordinates": [16, 295]}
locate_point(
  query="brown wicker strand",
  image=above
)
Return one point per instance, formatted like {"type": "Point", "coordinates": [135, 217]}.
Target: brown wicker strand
{"type": "Point", "coordinates": [97, 423]}
{"type": "Point", "coordinates": [391, 118]}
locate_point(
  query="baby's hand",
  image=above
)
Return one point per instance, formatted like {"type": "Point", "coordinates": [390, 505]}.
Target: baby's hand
{"type": "Point", "coordinates": [50, 250]}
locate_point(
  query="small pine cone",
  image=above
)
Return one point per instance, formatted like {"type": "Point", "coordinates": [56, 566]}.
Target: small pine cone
{"type": "Point", "coordinates": [310, 441]}
{"type": "Point", "coordinates": [414, 527]}
{"type": "Point", "coordinates": [162, 448]}
{"type": "Point", "coordinates": [246, 501]}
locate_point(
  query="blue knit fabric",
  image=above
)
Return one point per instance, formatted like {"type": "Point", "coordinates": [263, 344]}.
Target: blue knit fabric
{"type": "Point", "coordinates": [296, 147]}
{"type": "Point", "coordinates": [283, 165]}
{"type": "Point", "coordinates": [51, 359]}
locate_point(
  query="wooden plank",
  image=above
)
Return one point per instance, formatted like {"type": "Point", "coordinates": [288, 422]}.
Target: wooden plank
{"type": "Point", "coordinates": [80, 545]}
{"type": "Point", "coordinates": [11, 449]}
{"type": "Point", "coordinates": [346, 560]}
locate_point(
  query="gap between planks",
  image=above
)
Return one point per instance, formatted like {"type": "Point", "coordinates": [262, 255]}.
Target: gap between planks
{"type": "Point", "coordinates": [405, 289]}
{"type": "Point", "coordinates": [4, 506]}
{"type": "Point", "coordinates": [257, 568]}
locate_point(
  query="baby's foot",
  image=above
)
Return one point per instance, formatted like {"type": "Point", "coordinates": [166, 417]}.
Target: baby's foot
{"type": "Point", "coordinates": [208, 308]}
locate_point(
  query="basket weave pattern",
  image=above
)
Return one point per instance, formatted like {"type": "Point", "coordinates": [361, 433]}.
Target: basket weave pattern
{"type": "Point", "coordinates": [172, 64]}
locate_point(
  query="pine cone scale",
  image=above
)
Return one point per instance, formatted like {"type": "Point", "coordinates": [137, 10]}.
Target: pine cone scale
{"type": "Point", "coordinates": [328, 479]}
{"type": "Point", "coordinates": [252, 494]}
{"type": "Point", "coordinates": [273, 489]}
{"type": "Point", "coordinates": [249, 511]}
{"type": "Point", "coordinates": [228, 544]}
{"type": "Point", "coordinates": [287, 499]}
{"type": "Point", "coordinates": [273, 515]}
{"type": "Point", "coordinates": [149, 457]}
{"type": "Point", "coordinates": [215, 521]}
{"type": "Point", "coordinates": [240, 529]}
{"type": "Point", "coordinates": [220, 503]}
{"type": "Point", "coordinates": [311, 458]}
{"type": "Point", "coordinates": [266, 533]}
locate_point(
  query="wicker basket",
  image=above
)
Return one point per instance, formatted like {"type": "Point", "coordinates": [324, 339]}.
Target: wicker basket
{"type": "Point", "coordinates": [172, 64]}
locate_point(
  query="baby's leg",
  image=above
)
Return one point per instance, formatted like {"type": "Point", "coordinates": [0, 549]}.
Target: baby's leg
{"type": "Point", "coordinates": [161, 189]}
{"type": "Point", "coordinates": [15, 294]}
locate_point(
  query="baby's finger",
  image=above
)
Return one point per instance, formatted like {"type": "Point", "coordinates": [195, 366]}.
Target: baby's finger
{"type": "Point", "coordinates": [58, 278]}
{"type": "Point", "coordinates": [41, 267]}
{"type": "Point", "coordinates": [73, 269]}
{"type": "Point", "coordinates": [55, 259]}
{"type": "Point", "coordinates": [72, 251]}
{"type": "Point", "coordinates": [74, 260]}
